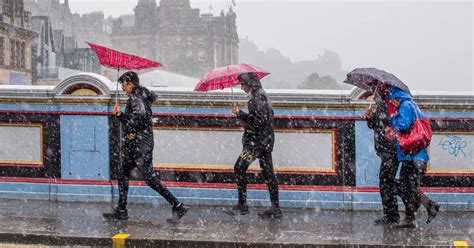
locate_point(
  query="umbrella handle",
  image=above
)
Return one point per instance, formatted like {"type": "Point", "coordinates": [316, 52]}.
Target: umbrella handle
{"type": "Point", "coordinates": [116, 88]}
{"type": "Point", "coordinates": [232, 91]}
{"type": "Point", "coordinates": [120, 139]}
{"type": "Point", "coordinates": [375, 92]}
{"type": "Point", "coordinates": [231, 87]}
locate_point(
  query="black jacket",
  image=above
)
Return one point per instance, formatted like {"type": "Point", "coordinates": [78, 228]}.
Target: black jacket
{"type": "Point", "coordinates": [258, 122]}
{"type": "Point", "coordinates": [137, 118]}
{"type": "Point", "coordinates": [380, 120]}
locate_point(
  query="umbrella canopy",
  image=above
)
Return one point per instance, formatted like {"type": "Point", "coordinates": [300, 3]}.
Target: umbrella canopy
{"type": "Point", "coordinates": [226, 77]}
{"type": "Point", "coordinates": [366, 78]}
{"type": "Point", "coordinates": [121, 61]}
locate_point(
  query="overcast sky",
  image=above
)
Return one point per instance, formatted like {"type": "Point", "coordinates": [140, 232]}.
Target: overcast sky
{"type": "Point", "coordinates": [427, 44]}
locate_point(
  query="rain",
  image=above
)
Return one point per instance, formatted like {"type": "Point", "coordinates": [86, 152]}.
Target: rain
{"type": "Point", "coordinates": [236, 123]}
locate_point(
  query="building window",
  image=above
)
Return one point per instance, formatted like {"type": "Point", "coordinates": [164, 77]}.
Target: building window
{"type": "Point", "coordinates": [18, 8]}
{"type": "Point", "coordinates": [13, 53]}
{"type": "Point", "coordinates": [17, 54]}
{"type": "Point", "coordinates": [8, 9]}
{"type": "Point", "coordinates": [22, 56]}
{"type": "Point", "coordinates": [18, 58]}
{"type": "Point", "coordinates": [2, 51]}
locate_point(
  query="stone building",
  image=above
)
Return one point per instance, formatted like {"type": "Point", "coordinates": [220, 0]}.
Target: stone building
{"type": "Point", "coordinates": [88, 27]}
{"type": "Point", "coordinates": [178, 36]}
{"type": "Point", "coordinates": [16, 38]}
{"type": "Point", "coordinates": [60, 14]}
{"type": "Point", "coordinates": [66, 46]}
{"type": "Point", "coordinates": [43, 50]}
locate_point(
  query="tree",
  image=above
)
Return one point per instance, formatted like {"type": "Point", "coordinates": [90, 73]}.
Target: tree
{"type": "Point", "coordinates": [315, 82]}
{"type": "Point", "coordinates": [291, 73]}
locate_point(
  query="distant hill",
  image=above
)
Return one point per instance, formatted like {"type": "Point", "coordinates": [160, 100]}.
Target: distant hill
{"type": "Point", "coordinates": [290, 75]}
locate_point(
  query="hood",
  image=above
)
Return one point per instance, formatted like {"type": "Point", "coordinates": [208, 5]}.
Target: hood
{"type": "Point", "coordinates": [398, 94]}
{"type": "Point", "coordinates": [148, 95]}
{"type": "Point", "coordinates": [251, 79]}
{"type": "Point", "coordinates": [255, 84]}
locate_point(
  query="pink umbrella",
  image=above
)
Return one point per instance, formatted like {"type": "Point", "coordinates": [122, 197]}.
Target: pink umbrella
{"type": "Point", "coordinates": [226, 77]}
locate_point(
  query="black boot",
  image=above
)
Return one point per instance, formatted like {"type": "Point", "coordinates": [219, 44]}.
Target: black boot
{"type": "Point", "coordinates": [239, 209]}
{"type": "Point", "coordinates": [431, 206]}
{"type": "Point", "coordinates": [432, 209]}
{"type": "Point", "coordinates": [273, 212]}
{"type": "Point", "coordinates": [385, 220]}
{"type": "Point", "coordinates": [177, 213]}
{"type": "Point", "coordinates": [117, 214]}
{"type": "Point", "coordinates": [408, 222]}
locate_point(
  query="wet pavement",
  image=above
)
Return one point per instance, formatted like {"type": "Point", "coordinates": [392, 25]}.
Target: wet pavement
{"type": "Point", "coordinates": [62, 223]}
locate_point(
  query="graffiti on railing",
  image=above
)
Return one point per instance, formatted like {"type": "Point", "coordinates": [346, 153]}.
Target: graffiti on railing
{"type": "Point", "coordinates": [454, 145]}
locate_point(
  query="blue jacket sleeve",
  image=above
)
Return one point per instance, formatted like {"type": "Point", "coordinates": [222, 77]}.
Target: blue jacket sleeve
{"type": "Point", "coordinates": [403, 121]}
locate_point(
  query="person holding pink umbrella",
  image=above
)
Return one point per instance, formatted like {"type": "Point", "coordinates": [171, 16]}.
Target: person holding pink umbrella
{"type": "Point", "coordinates": [257, 140]}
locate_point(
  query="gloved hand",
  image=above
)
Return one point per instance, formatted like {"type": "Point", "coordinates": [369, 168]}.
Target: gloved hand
{"type": "Point", "coordinates": [390, 133]}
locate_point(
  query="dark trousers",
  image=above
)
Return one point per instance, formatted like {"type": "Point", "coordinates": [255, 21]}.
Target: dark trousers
{"type": "Point", "coordinates": [389, 185]}
{"type": "Point", "coordinates": [141, 159]}
{"type": "Point", "coordinates": [246, 158]}
{"type": "Point", "coordinates": [410, 177]}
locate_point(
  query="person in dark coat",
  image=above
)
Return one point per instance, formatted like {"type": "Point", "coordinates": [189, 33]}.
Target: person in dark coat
{"type": "Point", "coordinates": [138, 146]}
{"type": "Point", "coordinates": [413, 165]}
{"type": "Point", "coordinates": [257, 141]}
{"type": "Point", "coordinates": [378, 120]}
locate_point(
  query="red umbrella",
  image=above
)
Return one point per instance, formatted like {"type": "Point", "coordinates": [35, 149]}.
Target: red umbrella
{"type": "Point", "coordinates": [225, 77]}
{"type": "Point", "coordinates": [118, 60]}
{"type": "Point", "coordinates": [121, 61]}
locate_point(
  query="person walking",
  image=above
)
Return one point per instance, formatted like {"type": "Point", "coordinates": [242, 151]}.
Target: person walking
{"type": "Point", "coordinates": [258, 140]}
{"type": "Point", "coordinates": [137, 151]}
{"type": "Point", "coordinates": [413, 165]}
{"type": "Point", "coordinates": [378, 120]}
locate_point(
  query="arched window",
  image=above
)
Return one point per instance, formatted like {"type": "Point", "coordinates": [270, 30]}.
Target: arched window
{"type": "Point", "coordinates": [82, 89]}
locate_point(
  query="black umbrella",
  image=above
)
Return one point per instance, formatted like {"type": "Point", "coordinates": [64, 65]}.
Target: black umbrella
{"type": "Point", "coordinates": [366, 78]}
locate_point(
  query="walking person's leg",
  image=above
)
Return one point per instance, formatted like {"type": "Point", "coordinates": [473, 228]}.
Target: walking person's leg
{"type": "Point", "coordinates": [409, 179]}
{"type": "Point", "coordinates": [388, 189]}
{"type": "Point", "coordinates": [145, 161]}
{"type": "Point", "coordinates": [151, 179]}
{"type": "Point", "coordinates": [431, 206]}
{"type": "Point", "coordinates": [123, 184]}
{"type": "Point", "coordinates": [268, 173]}
{"type": "Point", "coordinates": [245, 159]}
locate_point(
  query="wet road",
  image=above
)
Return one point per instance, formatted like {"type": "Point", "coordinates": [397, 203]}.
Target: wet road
{"type": "Point", "coordinates": [52, 223]}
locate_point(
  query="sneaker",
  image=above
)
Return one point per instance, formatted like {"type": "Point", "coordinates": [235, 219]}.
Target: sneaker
{"type": "Point", "coordinates": [117, 214]}
{"type": "Point", "coordinates": [386, 221]}
{"type": "Point", "coordinates": [407, 223]}
{"type": "Point", "coordinates": [177, 213]}
{"type": "Point", "coordinates": [271, 213]}
{"type": "Point", "coordinates": [239, 209]}
{"type": "Point", "coordinates": [432, 211]}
